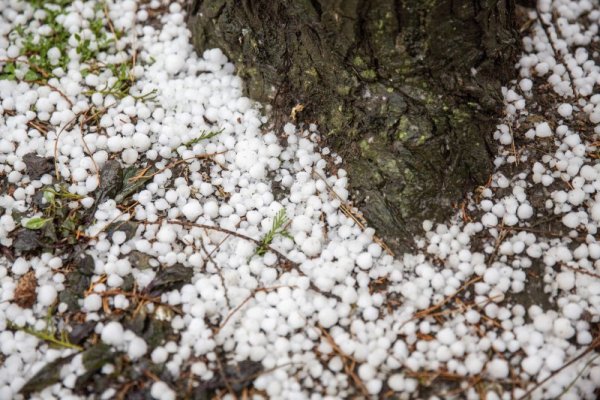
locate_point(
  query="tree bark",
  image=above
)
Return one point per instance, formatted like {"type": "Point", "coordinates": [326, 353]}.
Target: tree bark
{"type": "Point", "coordinates": [407, 91]}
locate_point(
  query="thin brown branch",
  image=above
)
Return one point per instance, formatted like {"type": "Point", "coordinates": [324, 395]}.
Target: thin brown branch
{"type": "Point", "coordinates": [279, 254]}
{"type": "Point", "coordinates": [87, 149]}
{"type": "Point", "coordinates": [177, 162]}
{"type": "Point", "coordinates": [595, 344]}
{"type": "Point", "coordinates": [581, 271]}
{"type": "Point", "coordinates": [349, 367]}
{"type": "Point", "coordinates": [37, 69]}
{"type": "Point", "coordinates": [224, 377]}
{"type": "Point", "coordinates": [437, 306]}
{"type": "Point", "coordinates": [239, 306]}
{"type": "Point", "coordinates": [217, 267]}
{"type": "Point", "coordinates": [557, 55]}
{"type": "Point", "coordinates": [349, 212]}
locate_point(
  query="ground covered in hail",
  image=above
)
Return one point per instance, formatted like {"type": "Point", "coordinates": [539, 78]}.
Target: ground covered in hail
{"type": "Point", "coordinates": [159, 239]}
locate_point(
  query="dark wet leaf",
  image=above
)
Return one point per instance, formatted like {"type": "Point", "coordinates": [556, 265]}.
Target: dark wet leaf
{"type": "Point", "coordinates": [69, 224]}
{"type": "Point", "coordinates": [201, 393]}
{"type": "Point", "coordinates": [94, 359]}
{"type": "Point", "coordinates": [26, 240]}
{"type": "Point", "coordinates": [139, 260]}
{"type": "Point", "coordinates": [153, 331]}
{"type": "Point", "coordinates": [86, 264]}
{"type": "Point", "coordinates": [38, 200]}
{"type": "Point", "coordinates": [76, 285]}
{"type": "Point", "coordinates": [169, 278]}
{"type": "Point", "coordinates": [18, 216]}
{"type": "Point", "coordinates": [134, 179]}
{"type": "Point", "coordinates": [128, 227]}
{"type": "Point", "coordinates": [70, 298]}
{"type": "Point", "coordinates": [61, 212]}
{"type": "Point", "coordinates": [81, 332]}
{"type": "Point", "coordinates": [37, 166]}
{"type": "Point", "coordinates": [136, 322]}
{"type": "Point", "coordinates": [111, 181]}
{"type": "Point", "coordinates": [96, 383]}
{"type": "Point", "coordinates": [239, 376]}
{"type": "Point", "coordinates": [48, 375]}
{"type": "Point", "coordinates": [139, 393]}
{"type": "Point", "coordinates": [49, 232]}
{"type": "Point", "coordinates": [243, 374]}
{"type": "Point", "coordinates": [7, 252]}
{"type": "Point", "coordinates": [157, 332]}
{"type": "Point", "coordinates": [128, 283]}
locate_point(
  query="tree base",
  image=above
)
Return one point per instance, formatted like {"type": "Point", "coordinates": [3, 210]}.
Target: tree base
{"type": "Point", "coordinates": [407, 92]}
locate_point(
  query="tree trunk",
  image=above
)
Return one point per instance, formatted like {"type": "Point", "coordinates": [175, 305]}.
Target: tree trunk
{"type": "Point", "coordinates": [407, 91]}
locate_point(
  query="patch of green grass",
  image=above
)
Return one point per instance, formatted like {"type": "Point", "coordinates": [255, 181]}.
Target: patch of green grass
{"type": "Point", "coordinates": [89, 49]}
{"type": "Point", "coordinates": [9, 71]}
{"type": "Point", "coordinates": [89, 52]}
{"type": "Point", "coordinates": [35, 48]}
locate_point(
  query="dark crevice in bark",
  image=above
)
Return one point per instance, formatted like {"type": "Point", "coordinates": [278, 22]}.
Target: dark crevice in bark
{"type": "Point", "coordinates": [195, 7]}
{"type": "Point", "coordinates": [317, 7]}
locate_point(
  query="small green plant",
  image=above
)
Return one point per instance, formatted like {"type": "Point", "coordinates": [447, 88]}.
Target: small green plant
{"type": "Point", "coordinates": [36, 223]}
{"type": "Point", "coordinates": [123, 80]}
{"type": "Point", "coordinates": [205, 135]}
{"type": "Point", "coordinates": [65, 220]}
{"type": "Point", "coordinates": [278, 228]}
{"type": "Point", "coordinates": [150, 96]}
{"type": "Point", "coordinates": [9, 71]}
{"type": "Point", "coordinates": [122, 83]}
{"type": "Point", "coordinates": [36, 47]}
{"type": "Point", "coordinates": [102, 40]}
{"type": "Point", "coordinates": [59, 221]}
{"type": "Point", "coordinates": [87, 51]}
{"type": "Point", "coordinates": [49, 334]}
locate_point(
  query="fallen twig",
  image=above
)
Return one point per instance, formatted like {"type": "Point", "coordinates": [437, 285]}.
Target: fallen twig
{"type": "Point", "coordinates": [281, 256]}
{"type": "Point", "coordinates": [437, 306]}
{"type": "Point", "coordinates": [217, 267]}
{"type": "Point", "coordinates": [349, 367]}
{"type": "Point", "coordinates": [239, 306]}
{"type": "Point", "coordinates": [348, 211]}
{"type": "Point", "coordinates": [595, 344]}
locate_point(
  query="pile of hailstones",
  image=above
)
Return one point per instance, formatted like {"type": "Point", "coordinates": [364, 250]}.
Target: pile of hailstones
{"type": "Point", "coordinates": [304, 324]}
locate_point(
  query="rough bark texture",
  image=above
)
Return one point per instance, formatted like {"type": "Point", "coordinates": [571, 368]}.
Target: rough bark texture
{"type": "Point", "coordinates": [406, 90]}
